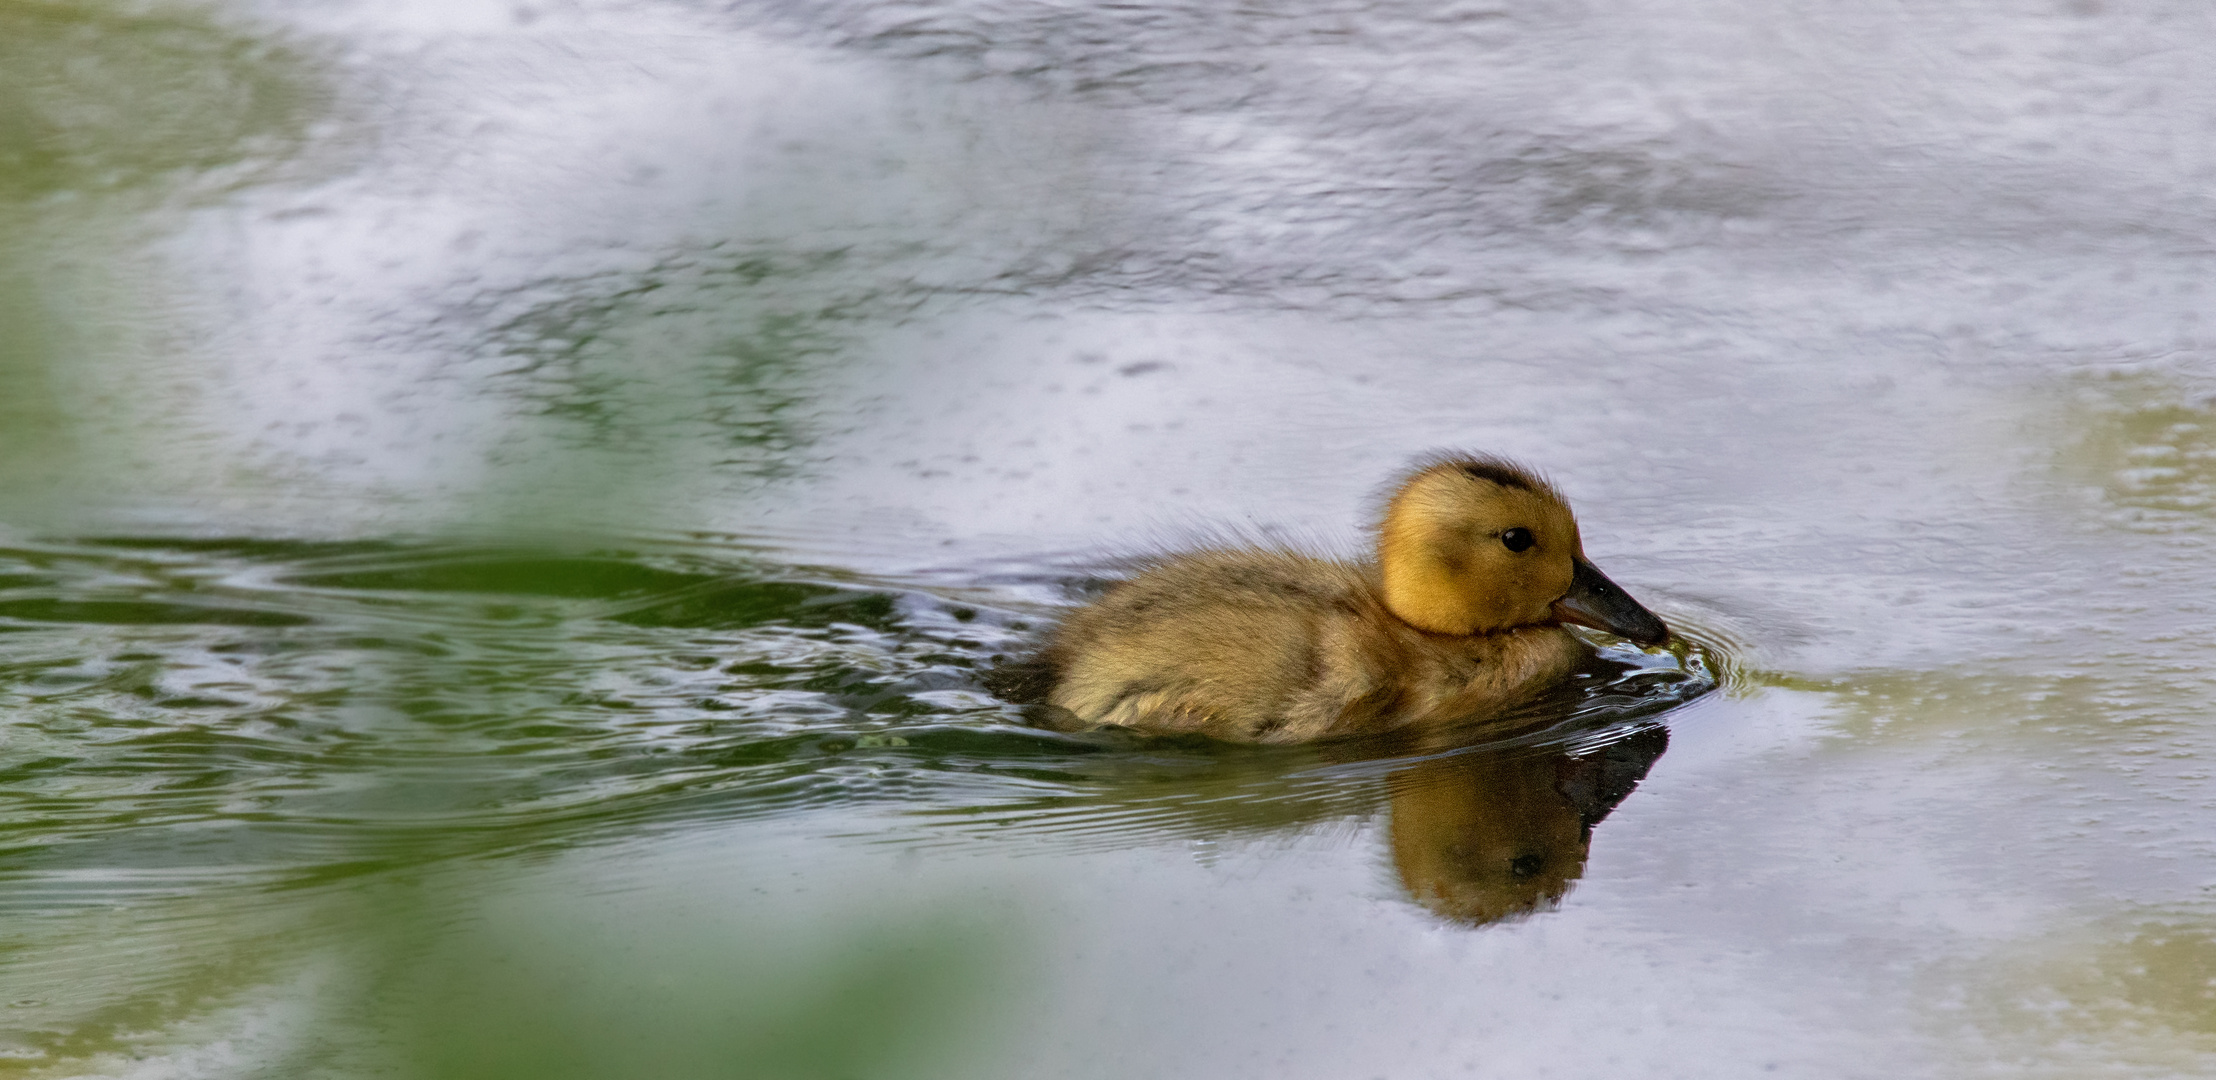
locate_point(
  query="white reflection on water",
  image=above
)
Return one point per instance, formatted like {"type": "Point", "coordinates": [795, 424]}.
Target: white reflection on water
{"type": "Point", "coordinates": [1872, 338]}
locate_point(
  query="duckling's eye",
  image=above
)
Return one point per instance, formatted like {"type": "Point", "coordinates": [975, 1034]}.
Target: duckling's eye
{"type": "Point", "coordinates": [1517, 539]}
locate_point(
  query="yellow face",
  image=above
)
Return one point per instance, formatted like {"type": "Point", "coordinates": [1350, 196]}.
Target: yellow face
{"type": "Point", "coordinates": [1471, 547]}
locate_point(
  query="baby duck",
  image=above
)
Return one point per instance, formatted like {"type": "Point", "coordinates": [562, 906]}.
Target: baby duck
{"type": "Point", "coordinates": [1479, 565]}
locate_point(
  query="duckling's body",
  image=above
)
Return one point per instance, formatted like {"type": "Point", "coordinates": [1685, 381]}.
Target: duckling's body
{"type": "Point", "coordinates": [1479, 565]}
{"type": "Point", "coordinates": [1273, 646]}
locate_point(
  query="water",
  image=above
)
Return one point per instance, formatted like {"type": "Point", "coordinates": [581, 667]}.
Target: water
{"type": "Point", "coordinates": [503, 509]}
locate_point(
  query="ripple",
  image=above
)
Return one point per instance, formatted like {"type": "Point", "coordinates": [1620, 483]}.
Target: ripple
{"type": "Point", "coordinates": [301, 712]}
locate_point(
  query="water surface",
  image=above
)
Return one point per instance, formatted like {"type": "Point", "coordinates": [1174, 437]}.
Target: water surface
{"type": "Point", "coordinates": [503, 509]}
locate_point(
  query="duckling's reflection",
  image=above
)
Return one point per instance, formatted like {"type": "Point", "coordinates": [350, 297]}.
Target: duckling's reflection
{"type": "Point", "coordinates": [1487, 835]}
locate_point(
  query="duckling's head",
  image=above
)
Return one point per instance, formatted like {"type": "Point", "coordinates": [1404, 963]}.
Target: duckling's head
{"type": "Point", "coordinates": [1476, 545]}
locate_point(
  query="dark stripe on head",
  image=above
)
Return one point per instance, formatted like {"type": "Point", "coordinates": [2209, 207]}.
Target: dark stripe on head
{"type": "Point", "coordinates": [1499, 472]}
{"type": "Point", "coordinates": [1477, 466]}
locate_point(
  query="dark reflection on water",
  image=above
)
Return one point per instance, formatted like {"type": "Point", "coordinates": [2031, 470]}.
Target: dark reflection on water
{"type": "Point", "coordinates": [1479, 837]}
{"type": "Point", "coordinates": [736, 335]}
{"type": "Point", "coordinates": [259, 713]}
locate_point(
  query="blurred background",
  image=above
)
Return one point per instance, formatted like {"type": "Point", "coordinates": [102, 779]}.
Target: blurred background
{"type": "Point", "coordinates": [502, 506]}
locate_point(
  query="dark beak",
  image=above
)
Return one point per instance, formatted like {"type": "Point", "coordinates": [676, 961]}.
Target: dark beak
{"type": "Point", "coordinates": [1595, 601]}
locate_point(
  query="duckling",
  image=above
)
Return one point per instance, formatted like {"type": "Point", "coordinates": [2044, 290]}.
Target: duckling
{"type": "Point", "coordinates": [1479, 565]}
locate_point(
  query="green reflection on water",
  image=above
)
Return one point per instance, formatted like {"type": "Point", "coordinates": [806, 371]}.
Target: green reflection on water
{"type": "Point", "coordinates": [112, 117]}
{"type": "Point", "coordinates": [96, 99]}
{"type": "Point", "coordinates": [2096, 703]}
{"type": "Point", "coordinates": [2170, 971]}
{"type": "Point", "coordinates": [290, 708]}
{"type": "Point", "coordinates": [718, 350]}
{"type": "Point", "coordinates": [535, 989]}
{"type": "Point", "coordinates": [486, 969]}
{"type": "Point", "coordinates": [2150, 446]}
{"type": "Point", "coordinates": [2135, 997]}
{"type": "Point", "coordinates": [696, 379]}
{"type": "Point", "coordinates": [33, 435]}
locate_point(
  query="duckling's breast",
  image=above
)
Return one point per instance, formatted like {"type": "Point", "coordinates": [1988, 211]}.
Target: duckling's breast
{"type": "Point", "coordinates": [1446, 679]}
